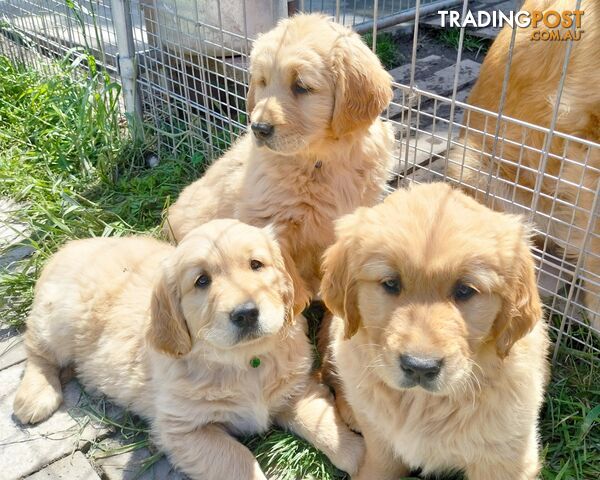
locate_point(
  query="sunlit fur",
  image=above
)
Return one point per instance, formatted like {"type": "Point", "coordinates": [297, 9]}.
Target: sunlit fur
{"type": "Point", "coordinates": [127, 314]}
{"type": "Point", "coordinates": [531, 96]}
{"type": "Point", "coordinates": [328, 153]}
{"type": "Point", "coordinates": [480, 415]}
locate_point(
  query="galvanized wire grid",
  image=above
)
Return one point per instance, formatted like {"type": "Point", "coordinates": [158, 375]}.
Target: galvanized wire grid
{"type": "Point", "coordinates": [31, 31]}
{"type": "Point", "coordinates": [192, 81]}
{"type": "Point", "coordinates": [193, 77]}
{"type": "Point", "coordinates": [360, 14]}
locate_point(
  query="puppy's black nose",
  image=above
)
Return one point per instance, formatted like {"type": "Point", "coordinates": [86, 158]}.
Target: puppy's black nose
{"type": "Point", "coordinates": [262, 131]}
{"type": "Point", "coordinates": [420, 369]}
{"type": "Point", "coordinates": [245, 316]}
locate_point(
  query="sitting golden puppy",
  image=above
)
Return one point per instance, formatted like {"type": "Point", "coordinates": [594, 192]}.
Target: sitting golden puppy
{"type": "Point", "coordinates": [199, 339]}
{"type": "Point", "coordinates": [317, 149]}
{"type": "Point", "coordinates": [439, 338]}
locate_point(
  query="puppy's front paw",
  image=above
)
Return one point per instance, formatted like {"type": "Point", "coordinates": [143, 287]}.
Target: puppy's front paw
{"type": "Point", "coordinates": [258, 474]}
{"type": "Point", "coordinates": [351, 452]}
{"type": "Point", "coordinates": [34, 405]}
{"type": "Point", "coordinates": [345, 411]}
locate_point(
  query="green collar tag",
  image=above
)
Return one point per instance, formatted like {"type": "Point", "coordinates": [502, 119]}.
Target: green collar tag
{"type": "Point", "coordinates": [255, 362]}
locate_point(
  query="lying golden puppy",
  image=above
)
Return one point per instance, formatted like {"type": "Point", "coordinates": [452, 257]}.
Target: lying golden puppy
{"type": "Point", "coordinates": [438, 337]}
{"type": "Point", "coordinates": [199, 339]}
{"type": "Point", "coordinates": [569, 178]}
{"type": "Point", "coordinates": [317, 149]}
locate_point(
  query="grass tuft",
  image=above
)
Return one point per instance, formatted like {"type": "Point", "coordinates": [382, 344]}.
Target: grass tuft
{"type": "Point", "coordinates": [68, 161]}
{"type": "Point", "coordinates": [570, 419]}
{"type": "Point", "coordinates": [386, 49]}
{"type": "Point", "coordinates": [284, 456]}
{"type": "Point", "coordinates": [471, 43]}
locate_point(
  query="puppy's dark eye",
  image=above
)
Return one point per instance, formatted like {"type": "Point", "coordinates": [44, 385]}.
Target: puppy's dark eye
{"type": "Point", "coordinates": [391, 285]}
{"type": "Point", "coordinates": [463, 292]}
{"type": "Point", "coordinates": [256, 265]}
{"type": "Point", "coordinates": [300, 89]}
{"type": "Point", "coordinates": [202, 281]}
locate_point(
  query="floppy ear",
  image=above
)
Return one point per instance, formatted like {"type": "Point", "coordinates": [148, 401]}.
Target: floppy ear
{"type": "Point", "coordinates": [288, 294]}
{"type": "Point", "coordinates": [521, 306]}
{"type": "Point", "coordinates": [168, 332]}
{"type": "Point", "coordinates": [363, 88]}
{"type": "Point", "coordinates": [295, 296]}
{"type": "Point", "coordinates": [250, 101]}
{"type": "Point", "coordinates": [301, 295]}
{"type": "Point", "coordinates": [338, 287]}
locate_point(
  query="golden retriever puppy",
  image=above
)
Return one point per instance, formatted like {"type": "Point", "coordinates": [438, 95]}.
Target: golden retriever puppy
{"type": "Point", "coordinates": [568, 187]}
{"type": "Point", "coordinates": [316, 150]}
{"type": "Point", "coordinates": [438, 335]}
{"type": "Point", "coordinates": [200, 339]}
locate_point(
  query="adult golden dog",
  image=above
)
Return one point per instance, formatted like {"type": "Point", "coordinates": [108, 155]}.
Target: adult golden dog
{"type": "Point", "coordinates": [438, 336]}
{"type": "Point", "coordinates": [568, 187]}
{"type": "Point", "coordinates": [199, 339]}
{"type": "Point", "coordinates": [317, 149]}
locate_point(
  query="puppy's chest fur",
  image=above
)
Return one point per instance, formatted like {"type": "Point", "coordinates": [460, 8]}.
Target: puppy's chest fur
{"type": "Point", "coordinates": [241, 398]}
{"type": "Point", "coordinates": [302, 197]}
{"type": "Point", "coordinates": [310, 189]}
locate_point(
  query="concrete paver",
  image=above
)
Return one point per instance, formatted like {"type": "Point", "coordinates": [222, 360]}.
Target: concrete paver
{"type": "Point", "coordinates": [442, 81]}
{"type": "Point", "coordinates": [24, 449]}
{"type": "Point", "coordinates": [12, 232]}
{"type": "Point", "coordinates": [423, 66]}
{"type": "Point", "coordinates": [422, 148]}
{"type": "Point", "coordinates": [128, 466]}
{"type": "Point", "coordinates": [12, 350]}
{"type": "Point", "coordinates": [72, 467]}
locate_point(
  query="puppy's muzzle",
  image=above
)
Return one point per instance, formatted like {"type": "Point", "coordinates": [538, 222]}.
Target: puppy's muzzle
{"type": "Point", "coordinates": [262, 131]}
{"type": "Point", "coordinates": [421, 370]}
{"type": "Point", "coordinates": [245, 318]}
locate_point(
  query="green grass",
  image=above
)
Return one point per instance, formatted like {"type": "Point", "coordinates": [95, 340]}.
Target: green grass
{"type": "Point", "coordinates": [386, 49]}
{"type": "Point", "coordinates": [65, 156]}
{"type": "Point", "coordinates": [471, 43]}
{"type": "Point", "coordinates": [287, 457]}
{"type": "Point", "coordinates": [570, 420]}
{"type": "Point", "coordinates": [67, 159]}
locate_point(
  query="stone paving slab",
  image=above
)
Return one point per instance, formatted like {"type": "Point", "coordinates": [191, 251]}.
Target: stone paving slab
{"type": "Point", "coordinates": [72, 467]}
{"type": "Point", "coordinates": [12, 349]}
{"type": "Point", "coordinates": [25, 449]}
{"type": "Point", "coordinates": [127, 466]}
{"type": "Point", "coordinates": [431, 172]}
{"type": "Point", "coordinates": [423, 68]}
{"type": "Point", "coordinates": [12, 233]}
{"type": "Point", "coordinates": [431, 78]}
{"type": "Point", "coordinates": [442, 110]}
{"type": "Point", "coordinates": [422, 148]}
{"type": "Point", "coordinates": [442, 81]}
{"type": "Point", "coordinates": [14, 254]}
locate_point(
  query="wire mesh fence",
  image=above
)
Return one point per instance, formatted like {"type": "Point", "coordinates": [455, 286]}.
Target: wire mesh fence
{"type": "Point", "coordinates": [191, 77]}
{"type": "Point", "coordinates": [32, 31]}
{"type": "Point", "coordinates": [362, 14]}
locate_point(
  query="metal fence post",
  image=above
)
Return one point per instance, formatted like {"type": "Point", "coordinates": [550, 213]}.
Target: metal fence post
{"type": "Point", "coordinates": [121, 15]}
